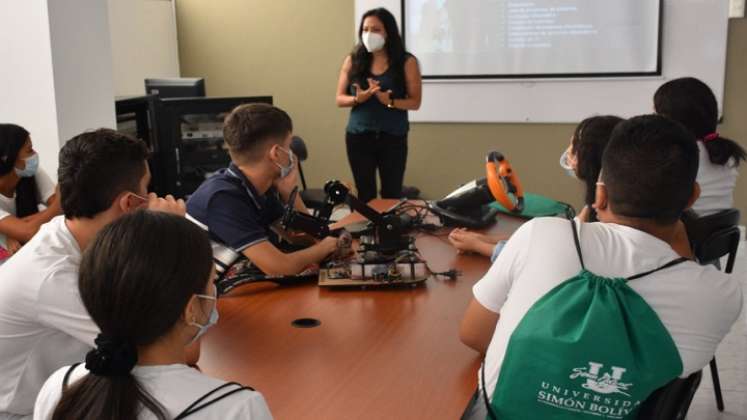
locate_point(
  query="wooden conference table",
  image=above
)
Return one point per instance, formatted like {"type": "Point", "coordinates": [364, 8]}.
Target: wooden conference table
{"type": "Point", "coordinates": [378, 353]}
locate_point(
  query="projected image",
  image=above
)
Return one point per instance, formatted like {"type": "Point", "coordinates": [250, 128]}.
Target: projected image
{"type": "Point", "coordinates": [521, 38]}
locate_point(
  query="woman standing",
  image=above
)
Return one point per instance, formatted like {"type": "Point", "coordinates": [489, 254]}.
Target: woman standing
{"type": "Point", "coordinates": [380, 81]}
{"type": "Point", "coordinates": [23, 186]}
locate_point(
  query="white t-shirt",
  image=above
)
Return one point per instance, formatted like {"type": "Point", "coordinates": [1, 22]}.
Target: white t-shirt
{"type": "Point", "coordinates": [43, 323]}
{"type": "Point", "coordinates": [46, 189]}
{"type": "Point", "coordinates": [697, 304]}
{"type": "Point", "coordinates": [717, 183]}
{"type": "Point", "coordinates": [176, 387]}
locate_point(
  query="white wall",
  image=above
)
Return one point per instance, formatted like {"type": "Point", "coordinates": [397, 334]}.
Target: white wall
{"type": "Point", "coordinates": [56, 77]}
{"type": "Point", "coordinates": [82, 60]}
{"type": "Point", "coordinates": [144, 43]}
{"type": "Point", "coordinates": [26, 80]}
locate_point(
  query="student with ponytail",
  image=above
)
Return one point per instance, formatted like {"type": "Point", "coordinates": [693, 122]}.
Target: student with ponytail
{"type": "Point", "coordinates": [23, 187]}
{"type": "Point", "coordinates": [150, 301]}
{"type": "Point", "coordinates": [691, 102]}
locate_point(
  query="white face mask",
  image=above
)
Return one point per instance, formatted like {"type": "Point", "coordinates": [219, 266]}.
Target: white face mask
{"type": "Point", "coordinates": [373, 41]}
{"type": "Point", "coordinates": [286, 170]}
{"type": "Point", "coordinates": [565, 164]}
{"type": "Point", "coordinates": [32, 164]}
{"type": "Point", "coordinates": [212, 318]}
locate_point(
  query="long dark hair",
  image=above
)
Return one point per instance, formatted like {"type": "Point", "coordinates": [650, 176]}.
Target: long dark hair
{"type": "Point", "coordinates": [12, 139]}
{"type": "Point", "coordinates": [395, 50]}
{"type": "Point", "coordinates": [589, 141]}
{"type": "Point", "coordinates": [136, 279]}
{"type": "Point", "coordinates": [692, 103]}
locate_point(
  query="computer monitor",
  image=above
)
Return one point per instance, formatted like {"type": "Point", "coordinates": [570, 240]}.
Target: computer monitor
{"type": "Point", "coordinates": [181, 87]}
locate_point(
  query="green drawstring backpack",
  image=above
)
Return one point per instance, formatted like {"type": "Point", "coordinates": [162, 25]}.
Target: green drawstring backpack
{"type": "Point", "coordinates": [591, 348]}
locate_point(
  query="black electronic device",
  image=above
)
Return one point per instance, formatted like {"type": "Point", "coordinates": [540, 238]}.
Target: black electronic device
{"type": "Point", "coordinates": [469, 205]}
{"type": "Point", "coordinates": [190, 141]}
{"type": "Point", "coordinates": [386, 254]}
{"type": "Point", "coordinates": [386, 235]}
{"type": "Point", "coordinates": [135, 117]}
{"type": "Point", "coordinates": [177, 87]}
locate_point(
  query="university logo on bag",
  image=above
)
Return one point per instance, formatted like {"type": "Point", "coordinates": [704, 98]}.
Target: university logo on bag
{"type": "Point", "coordinates": [601, 393]}
{"type": "Point", "coordinates": [607, 383]}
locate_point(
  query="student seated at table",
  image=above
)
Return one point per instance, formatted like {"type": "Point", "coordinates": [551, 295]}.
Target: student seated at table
{"type": "Point", "coordinates": [240, 205]}
{"type": "Point", "coordinates": [692, 103]}
{"type": "Point", "coordinates": [581, 160]}
{"type": "Point", "coordinates": [43, 324]}
{"type": "Point", "coordinates": [648, 179]}
{"type": "Point", "coordinates": [149, 301]}
{"type": "Point", "coordinates": [23, 187]}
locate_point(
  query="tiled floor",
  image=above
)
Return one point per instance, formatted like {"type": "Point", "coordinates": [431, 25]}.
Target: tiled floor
{"type": "Point", "coordinates": [732, 365]}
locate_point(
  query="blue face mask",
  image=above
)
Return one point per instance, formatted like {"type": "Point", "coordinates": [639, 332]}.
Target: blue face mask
{"type": "Point", "coordinates": [212, 318]}
{"type": "Point", "coordinates": [32, 165]}
{"type": "Point", "coordinates": [565, 165]}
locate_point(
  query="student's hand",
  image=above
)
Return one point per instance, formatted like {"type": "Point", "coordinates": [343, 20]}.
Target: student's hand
{"type": "Point", "coordinates": [286, 185]}
{"type": "Point", "coordinates": [11, 245]}
{"type": "Point", "coordinates": [466, 241]}
{"type": "Point", "coordinates": [385, 97]}
{"type": "Point", "coordinates": [362, 95]}
{"type": "Point", "coordinates": [329, 244]}
{"type": "Point", "coordinates": [458, 239]}
{"type": "Point", "coordinates": [344, 246]}
{"type": "Point", "coordinates": [166, 204]}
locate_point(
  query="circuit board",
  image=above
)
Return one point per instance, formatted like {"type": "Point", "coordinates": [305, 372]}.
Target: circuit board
{"type": "Point", "coordinates": [342, 277]}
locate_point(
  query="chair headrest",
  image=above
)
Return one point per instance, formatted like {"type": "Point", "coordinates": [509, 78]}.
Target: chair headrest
{"type": "Point", "coordinates": [298, 146]}
{"type": "Point", "coordinates": [718, 244]}
{"type": "Point", "coordinates": [700, 228]}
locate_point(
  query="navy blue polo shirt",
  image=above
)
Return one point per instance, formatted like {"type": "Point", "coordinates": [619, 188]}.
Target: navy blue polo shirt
{"type": "Point", "coordinates": [233, 212]}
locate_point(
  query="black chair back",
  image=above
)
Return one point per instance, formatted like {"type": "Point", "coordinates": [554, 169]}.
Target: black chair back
{"type": "Point", "coordinates": [671, 401]}
{"type": "Point", "coordinates": [314, 198]}
{"type": "Point", "coordinates": [714, 236]}
{"type": "Point", "coordinates": [298, 147]}
{"type": "Point", "coordinates": [720, 243]}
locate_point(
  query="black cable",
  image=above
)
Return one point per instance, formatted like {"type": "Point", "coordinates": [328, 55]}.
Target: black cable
{"type": "Point", "coordinates": [451, 274]}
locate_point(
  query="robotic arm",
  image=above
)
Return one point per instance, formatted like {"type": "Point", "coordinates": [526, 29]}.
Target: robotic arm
{"type": "Point", "coordinates": [387, 235]}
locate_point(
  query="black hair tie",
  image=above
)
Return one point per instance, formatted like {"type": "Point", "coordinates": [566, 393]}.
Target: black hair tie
{"type": "Point", "coordinates": [111, 357]}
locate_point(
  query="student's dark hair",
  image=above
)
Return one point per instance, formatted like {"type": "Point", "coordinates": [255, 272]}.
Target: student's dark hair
{"type": "Point", "coordinates": [361, 59]}
{"type": "Point", "coordinates": [249, 126]}
{"type": "Point", "coordinates": [97, 166]}
{"type": "Point", "coordinates": [136, 279]}
{"type": "Point", "coordinates": [649, 168]}
{"type": "Point", "coordinates": [692, 103]}
{"type": "Point", "coordinates": [12, 139]}
{"type": "Point", "coordinates": [589, 140]}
